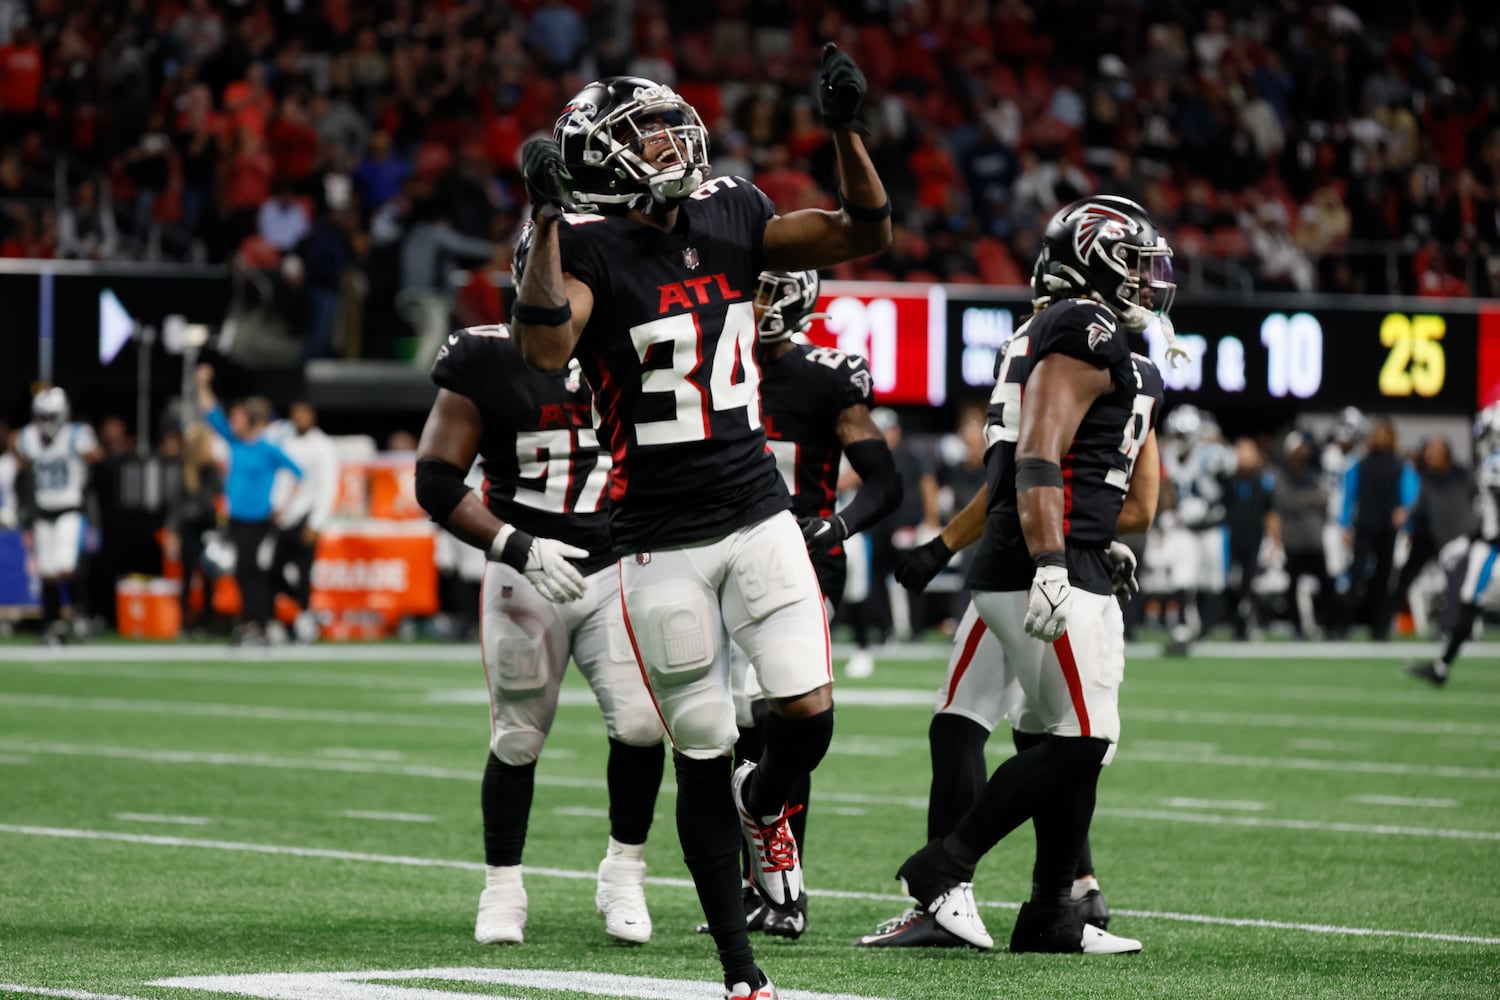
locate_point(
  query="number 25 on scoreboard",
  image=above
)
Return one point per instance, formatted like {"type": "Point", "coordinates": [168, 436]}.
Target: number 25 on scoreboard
{"type": "Point", "coordinates": [1416, 362]}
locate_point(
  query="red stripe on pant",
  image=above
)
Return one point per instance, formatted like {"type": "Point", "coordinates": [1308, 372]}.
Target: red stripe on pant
{"type": "Point", "coordinates": [971, 643]}
{"type": "Point", "coordinates": [636, 649]}
{"type": "Point", "coordinates": [1064, 649]}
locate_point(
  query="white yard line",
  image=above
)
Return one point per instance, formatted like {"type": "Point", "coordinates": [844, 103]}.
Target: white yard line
{"type": "Point", "coordinates": [215, 710]}
{"type": "Point", "coordinates": [1350, 695]}
{"type": "Point", "coordinates": [390, 817]}
{"type": "Point", "coordinates": [357, 753]}
{"type": "Point", "coordinates": [44, 991]}
{"type": "Point", "coordinates": [582, 812]}
{"type": "Point", "coordinates": [563, 873]}
{"type": "Point", "coordinates": [9, 758]}
{"type": "Point", "coordinates": [1240, 805]}
{"type": "Point", "coordinates": [1257, 720]}
{"type": "Point", "coordinates": [1382, 830]}
{"type": "Point", "coordinates": [1310, 764]}
{"type": "Point", "coordinates": [260, 676]}
{"type": "Point", "coordinates": [1398, 800]}
{"type": "Point", "coordinates": [159, 818]}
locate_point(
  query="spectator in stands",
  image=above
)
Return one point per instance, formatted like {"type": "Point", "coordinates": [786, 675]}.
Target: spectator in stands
{"type": "Point", "coordinates": [304, 508]}
{"type": "Point", "coordinates": [282, 220]}
{"type": "Point", "coordinates": [86, 227]}
{"type": "Point", "coordinates": [1250, 517]}
{"type": "Point", "coordinates": [253, 464]}
{"type": "Point", "coordinates": [199, 32]}
{"type": "Point", "coordinates": [1444, 510]}
{"type": "Point", "coordinates": [148, 165]}
{"type": "Point", "coordinates": [21, 74]}
{"type": "Point", "coordinates": [1379, 491]}
{"type": "Point", "coordinates": [1300, 501]}
{"type": "Point", "coordinates": [381, 174]}
{"type": "Point", "coordinates": [327, 252]}
{"type": "Point", "coordinates": [196, 136]}
{"type": "Point", "coordinates": [192, 512]}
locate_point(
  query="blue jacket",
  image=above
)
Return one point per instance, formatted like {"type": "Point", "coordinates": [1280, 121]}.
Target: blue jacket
{"type": "Point", "coordinates": [252, 471]}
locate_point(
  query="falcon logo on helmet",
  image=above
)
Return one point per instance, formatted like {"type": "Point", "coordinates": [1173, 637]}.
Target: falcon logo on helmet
{"type": "Point", "coordinates": [1108, 249]}
{"type": "Point", "coordinates": [1096, 222]}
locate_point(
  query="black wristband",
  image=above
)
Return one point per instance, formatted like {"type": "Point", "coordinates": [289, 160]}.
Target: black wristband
{"type": "Point", "coordinates": [864, 213]}
{"type": "Point", "coordinates": [531, 315]}
{"type": "Point", "coordinates": [516, 550]}
{"type": "Point", "coordinates": [1052, 557]}
{"type": "Point", "coordinates": [1034, 472]}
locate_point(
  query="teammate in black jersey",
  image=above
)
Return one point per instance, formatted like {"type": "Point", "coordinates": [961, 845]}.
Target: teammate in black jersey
{"type": "Point", "coordinates": [649, 279]}
{"type": "Point", "coordinates": [550, 592]}
{"type": "Point", "coordinates": [815, 402]}
{"type": "Point", "coordinates": [1071, 423]}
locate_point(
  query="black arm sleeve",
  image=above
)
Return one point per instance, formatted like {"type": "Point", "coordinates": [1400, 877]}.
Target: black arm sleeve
{"type": "Point", "coordinates": [880, 493]}
{"type": "Point", "coordinates": [440, 488]}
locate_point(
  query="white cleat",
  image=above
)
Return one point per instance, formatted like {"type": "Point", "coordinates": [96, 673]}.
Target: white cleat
{"type": "Point", "coordinates": [775, 867]}
{"type": "Point", "coordinates": [860, 666]}
{"type": "Point", "coordinates": [744, 991]}
{"type": "Point", "coordinates": [1097, 942]}
{"type": "Point", "coordinates": [956, 912]}
{"type": "Point", "coordinates": [502, 907]}
{"type": "Point", "coordinates": [621, 897]}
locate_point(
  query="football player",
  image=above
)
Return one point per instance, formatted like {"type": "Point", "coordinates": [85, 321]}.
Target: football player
{"type": "Point", "coordinates": [56, 453]}
{"type": "Point", "coordinates": [1473, 583]}
{"type": "Point", "coordinates": [1345, 447]}
{"type": "Point", "coordinates": [815, 403]}
{"type": "Point", "coordinates": [979, 690]}
{"type": "Point", "coordinates": [550, 591]}
{"type": "Point", "coordinates": [1071, 422]}
{"type": "Point", "coordinates": [1194, 540]}
{"type": "Point", "coordinates": [650, 280]}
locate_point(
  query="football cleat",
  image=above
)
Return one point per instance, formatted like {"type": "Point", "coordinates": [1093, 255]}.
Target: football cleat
{"type": "Point", "coordinates": [788, 924]}
{"type": "Point", "coordinates": [1101, 942]}
{"type": "Point", "coordinates": [774, 866]}
{"type": "Point", "coordinates": [621, 897]}
{"type": "Point", "coordinates": [913, 929]}
{"type": "Point", "coordinates": [1090, 902]}
{"type": "Point", "coordinates": [1433, 671]}
{"type": "Point", "coordinates": [956, 912]}
{"type": "Point", "coordinates": [744, 991]}
{"type": "Point", "coordinates": [1061, 930]}
{"type": "Point", "coordinates": [502, 907]}
{"type": "Point", "coordinates": [755, 911]}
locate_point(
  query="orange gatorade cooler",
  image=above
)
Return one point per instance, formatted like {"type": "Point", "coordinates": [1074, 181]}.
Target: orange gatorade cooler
{"type": "Point", "coordinates": [147, 608]}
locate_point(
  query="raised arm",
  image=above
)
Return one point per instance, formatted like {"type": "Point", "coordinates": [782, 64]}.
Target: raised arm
{"type": "Point", "coordinates": [552, 308]}
{"type": "Point", "coordinates": [813, 238]}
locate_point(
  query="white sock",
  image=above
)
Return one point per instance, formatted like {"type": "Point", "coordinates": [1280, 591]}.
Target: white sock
{"type": "Point", "coordinates": [1083, 886]}
{"type": "Point", "coordinates": [502, 875]}
{"type": "Point", "coordinates": [632, 852]}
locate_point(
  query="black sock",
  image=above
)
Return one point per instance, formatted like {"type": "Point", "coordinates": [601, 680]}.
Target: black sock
{"type": "Point", "coordinates": [1062, 819]}
{"type": "Point", "coordinates": [633, 776]}
{"type": "Point", "coordinates": [51, 603]}
{"type": "Point", "coordinates": [709, 829]}
{"type": "Point", "coordinates": [1085, 866]}
{"type": "Point", "coordinates": [794, 747]}
{"type": "Point", "coordinates": [505, 798]}
{"type": "Point", "coordinates": [1012, 796]}
{"type": "Point", "coordinates": [752, 741]}
{"type": "Point", "coordinates": [958, 770]}
{"type": "Point", "coordinates": [1463, 627]}
{"type": "Point", "coordinates": [1025, 741]}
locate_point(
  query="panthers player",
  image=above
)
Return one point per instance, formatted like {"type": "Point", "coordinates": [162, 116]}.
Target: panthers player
{"type": "Point", "coordinates": [1194, 541]}
{"type": "Point", "coordinates": [979, 690]}
{"type": "Point", "coordinates": [650, 279]}
{"type": "Point", "coordinates": [57, 453]}
{"type": "Point", "coordinates": [815, 403]}
{"type": "Point", "coordinates": [1473, 583]}
{"type": "Point", "coordinates": [1071, 423]}
{"type": "Point", "coordinates": [1344, 449]}
{"type": "Point", "coordinates": [549, 592]}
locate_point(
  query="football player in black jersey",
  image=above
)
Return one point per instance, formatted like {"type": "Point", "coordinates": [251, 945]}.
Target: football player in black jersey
{"type": "Point", "coordinates": [815, 402]}
{"type": "Point", "coordinates": [1071, 422]}
{"type": "Point", "coordinates": [649, 280]}
{"type": "Point", "coordinates": [550, 592]}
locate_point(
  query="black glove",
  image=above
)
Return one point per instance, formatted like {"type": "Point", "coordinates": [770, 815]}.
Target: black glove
{"type": "Point", "coordinates": [916, 568]}
{"type": "Point", "coordinates": [841, 91]}
{"type": "Point", "coordinates": [543, 170]}
{"type": "Point", "coordinates": [822, 534]}
{"type": "Point", "coordinates": [1122, 572]}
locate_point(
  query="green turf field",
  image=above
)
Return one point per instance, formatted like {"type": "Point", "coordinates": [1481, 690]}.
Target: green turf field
{"type": "Point", "coordinates": [1272, 827]}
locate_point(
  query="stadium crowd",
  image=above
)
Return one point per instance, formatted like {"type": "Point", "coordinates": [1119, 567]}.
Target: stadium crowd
{"type": "Point", "coordinates": [364, 152]}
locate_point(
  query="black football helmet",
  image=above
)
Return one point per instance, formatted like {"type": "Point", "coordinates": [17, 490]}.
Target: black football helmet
{"type": "Point", "coordinates": [604, 134]}
{"type": "Point", "coordinates": [1107, 248]}
{"type": "Point", "coordinates": [786, 300]}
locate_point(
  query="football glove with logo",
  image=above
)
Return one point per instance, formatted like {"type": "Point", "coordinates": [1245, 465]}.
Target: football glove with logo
{"type": "Point", "coordinates": [916, 568]}
{"type": "Point", "coordinates": [543, 170]}
{"type": "Point", "coordinates": [822, 534]}
{"type": "Point", "coordinates": [1122, 572]}
{"type": "Point", "coordinates": [1047, 606]}
{"type": "Point", "coordinates": [543, 561]}
{"type": "Point", "coordinates": [841, 91]}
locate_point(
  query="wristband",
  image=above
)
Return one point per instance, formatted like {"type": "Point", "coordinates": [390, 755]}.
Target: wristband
{"type": "Point", "coordinates": [1034, 472]}
{"type": "Point", "coordinates": [1052, 557]}
{"type": "Point", "coordinates": [525, 312]}
{"type": "Point", "coordinates": [864, 213]}
{"type": "Point", "coordinates": [511, 547]}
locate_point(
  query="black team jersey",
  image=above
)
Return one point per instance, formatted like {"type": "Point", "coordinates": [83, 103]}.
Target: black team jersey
{"type": "Point", "coordinates": [1096, 469]}
{"type": "Point", "coordinates": [802, 394]}
{"type": "Point", "coordinates": [669, 350]}
{"type": "Point", "coordinates": [543, 469]}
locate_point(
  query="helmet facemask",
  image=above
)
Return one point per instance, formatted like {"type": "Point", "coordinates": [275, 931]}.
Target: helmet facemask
{"type": "Point", "coordinates": [785, 300]}
{"type": "Point", "coordinates": [655, 140]}
{"type": "Point", "coordinates": [1148, 289]}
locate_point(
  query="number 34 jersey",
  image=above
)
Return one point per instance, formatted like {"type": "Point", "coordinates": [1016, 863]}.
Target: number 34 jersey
{"type": "Point", "coordinates": [669, 350]}
{"type": "Point", "coordinates": [543, 469]}
{"type": "Point", "coordinates": [1097, 466]}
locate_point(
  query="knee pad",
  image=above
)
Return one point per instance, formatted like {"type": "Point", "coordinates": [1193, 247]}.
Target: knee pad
{"type": "Point", "coordinates": [677, 630]}
{"type": "Point", "coordinates": [638, 729]}
{"type": "Point", "coordinates": [517, 747]}
{"type": "Point", "coordinates": [520, 665]}
{"type": "Point", "coordinates": [705, 729]}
